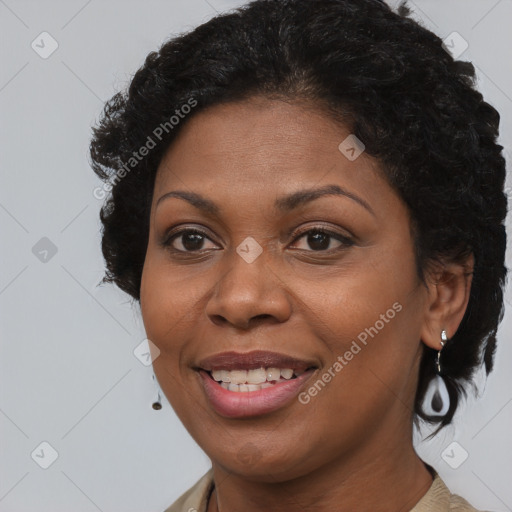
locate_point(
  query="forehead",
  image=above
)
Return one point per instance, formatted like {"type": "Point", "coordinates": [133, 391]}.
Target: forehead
{"type": "Point", "coordinates": [260, 146]}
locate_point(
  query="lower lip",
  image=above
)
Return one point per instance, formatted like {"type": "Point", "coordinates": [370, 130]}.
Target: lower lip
{"type": "Point", "coordinates": [241, 404]}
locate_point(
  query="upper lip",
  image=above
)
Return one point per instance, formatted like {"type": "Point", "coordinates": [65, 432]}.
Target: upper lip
{"type": "Point", "coordinates": [252, 360]}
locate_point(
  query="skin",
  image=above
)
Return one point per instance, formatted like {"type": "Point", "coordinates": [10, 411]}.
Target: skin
{"type": "Point", "coordinates": [350, 447]}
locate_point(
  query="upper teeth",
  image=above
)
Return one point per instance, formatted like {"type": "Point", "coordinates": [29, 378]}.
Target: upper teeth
{"type": "Point", "coordinates": [257, 376]}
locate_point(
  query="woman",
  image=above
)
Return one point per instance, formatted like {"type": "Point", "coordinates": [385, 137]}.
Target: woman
{"type": "Point", "coordinates": [307, 201]}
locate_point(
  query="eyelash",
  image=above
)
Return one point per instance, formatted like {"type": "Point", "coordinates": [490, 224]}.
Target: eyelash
{"type": "Point", "coordinates": [346, 241]}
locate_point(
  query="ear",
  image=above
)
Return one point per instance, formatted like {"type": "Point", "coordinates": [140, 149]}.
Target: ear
{"type": "Point", "coordinates": [449, 287]}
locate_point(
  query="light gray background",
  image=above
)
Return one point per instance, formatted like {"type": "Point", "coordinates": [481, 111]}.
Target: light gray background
{"type": "Point", "coordinates": [68, 373]}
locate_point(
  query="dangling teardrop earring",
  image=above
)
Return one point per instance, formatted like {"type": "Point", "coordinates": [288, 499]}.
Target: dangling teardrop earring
{"type": "Point", "coordinates": [157, 404]}
{"type": "Point", "coordinates": [437, 399]}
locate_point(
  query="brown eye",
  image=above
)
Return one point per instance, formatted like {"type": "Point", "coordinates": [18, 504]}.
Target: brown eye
{"type": "Point", "coordinates": [320, 240]}
{"type": "Point", "coordinates": [191, 240]}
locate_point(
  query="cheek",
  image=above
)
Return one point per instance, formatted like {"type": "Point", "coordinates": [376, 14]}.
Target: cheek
{"type": "Point", "coordinates": [370, 324]}
{"type": "Point", "coordinates": [360, 301]}
{"type": "Point", "coordinates": [167, 307]}
{"type": "Point", "coordinates": [162, 303]}
{"type": "Point", "coordinates": [171, 303]}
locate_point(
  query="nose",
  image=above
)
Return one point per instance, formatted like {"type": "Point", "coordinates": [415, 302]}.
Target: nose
{"type": "Point", "coordinates": [248, 294]}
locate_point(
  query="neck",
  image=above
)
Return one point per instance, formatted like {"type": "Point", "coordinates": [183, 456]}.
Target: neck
{"type": "Point", "coordinates": [384, 476]}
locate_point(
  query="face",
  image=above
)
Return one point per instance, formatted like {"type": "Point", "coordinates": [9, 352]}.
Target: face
{"type": "Point", "coordinates": [246, 253]}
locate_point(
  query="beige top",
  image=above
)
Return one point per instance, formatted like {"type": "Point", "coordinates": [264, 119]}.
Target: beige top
{"type": "Point", "coordinates": [437, 499]}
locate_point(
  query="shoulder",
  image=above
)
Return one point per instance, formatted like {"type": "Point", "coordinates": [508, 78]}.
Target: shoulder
{"type": "Point", "coordinates": [196, 498]}
{"type": "Point", "coordinates": [459, 504]}
{"type": "Point", "coordinates": [439, 498]}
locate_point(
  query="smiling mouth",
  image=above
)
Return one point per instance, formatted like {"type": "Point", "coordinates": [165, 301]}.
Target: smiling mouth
{"type": "Point", "coordinates": [250, 384]}
{"type": "Point", "coordinates": [244, 400]}
{"type": "Point", "coordinates": [255, 379]}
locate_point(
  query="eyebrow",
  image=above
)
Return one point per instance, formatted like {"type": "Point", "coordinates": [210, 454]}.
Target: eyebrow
{"type": "Point", "coordinates": [284, 204]}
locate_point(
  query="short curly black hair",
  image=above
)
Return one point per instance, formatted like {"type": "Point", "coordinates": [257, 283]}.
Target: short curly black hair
{"type": "Point", "coordinates": [389, 80]}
